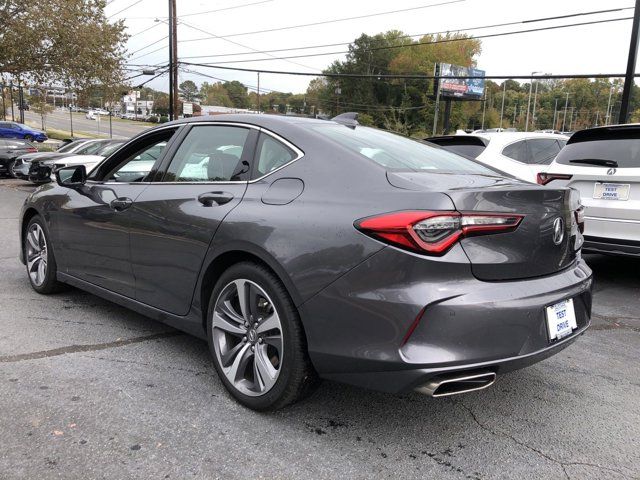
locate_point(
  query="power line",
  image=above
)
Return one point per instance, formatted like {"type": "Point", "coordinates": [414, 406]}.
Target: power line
{"type": "Point", "coordinates": [245, 46]}
{"type": "Point", "coordinates": [224, 9]}
{"type": "Point", "coordinates": [125, 8]}
{"type": "Point", "coordinates": [456, 30]}
{"type": "Point", "coordinates": [411, 76]}
{"type": "Point", "coordinates": [335, 20]}
{"type": "Point", "coordinates": [433, 42]}
{"type": "Point", "coordinates": [145, 30]}
{"type": "Point", "coordinates": [150, 45]}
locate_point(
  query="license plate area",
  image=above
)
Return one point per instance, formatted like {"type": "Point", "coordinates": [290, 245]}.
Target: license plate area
{"type": "Point", "coordinates": [611, 191]}
{"type": "Point", "coordinates": [561, 320]}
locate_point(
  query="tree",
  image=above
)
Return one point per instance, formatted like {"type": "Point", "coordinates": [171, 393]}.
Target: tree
{"type": "Point", "coordinates": [215, 94]}
{"type": "Point", "coordinates": [65, 41]}
{"type": "Point", "coordinates": [237, 93]}
{"type": "Point", "coordinates": [188, 91]}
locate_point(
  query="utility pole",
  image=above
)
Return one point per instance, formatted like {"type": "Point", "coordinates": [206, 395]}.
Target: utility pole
{"type": "Point", "coordinates": [533, 114]}
{"type": "Point", "coordinates": [564, 117]}
{"type": "Point", "coordinates": [436, 73]}
{"type": "Point", "coordinates": [526, 123]}
{"type": "Point", "coordinates": [484, 107]}
{"type": "Point", "coordinates": [173, 61]}
{"type": "Point", "coordinates": [13, 116]}
{"type": "Point", "coordinates": [515, 110]}
{"type": "Point", "coordinates": [4, 107]}
{"type": "Point", "coordinates": [555, 112]}
{"type": "Point", "coordinates": [631, 66]}
{"type": "Point", "coordinates": [504, 92]}
{"type": "Point", "coordinates": [258, 92]}
{"type": "Point", "coordinates": [607, 116]}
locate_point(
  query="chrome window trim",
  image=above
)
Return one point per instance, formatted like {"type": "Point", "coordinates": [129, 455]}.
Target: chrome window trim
{"type": "Point", "coordinates": [299, 154]}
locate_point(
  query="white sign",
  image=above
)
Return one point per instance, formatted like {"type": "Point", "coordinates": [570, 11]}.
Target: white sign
{"type": "Point", "coordinates": [187, 108]}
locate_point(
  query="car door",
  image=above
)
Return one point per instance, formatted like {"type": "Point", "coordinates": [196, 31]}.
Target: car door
{"type": "Point", "coordinates": [93, 223]}
{"type": "Point", "coordinates": [175, 219]}
{"type": "Point", "coordinates": [5, 130]}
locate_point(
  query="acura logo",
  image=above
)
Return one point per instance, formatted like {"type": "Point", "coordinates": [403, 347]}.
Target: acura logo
{"type": "Point", "coordinates": [558, 231]}
{"type": "Point", "coordinates": [611, 171]}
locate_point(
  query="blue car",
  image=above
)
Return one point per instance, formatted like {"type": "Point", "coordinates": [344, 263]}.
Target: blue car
{"type": "Point", "coordinates": [18, 130]}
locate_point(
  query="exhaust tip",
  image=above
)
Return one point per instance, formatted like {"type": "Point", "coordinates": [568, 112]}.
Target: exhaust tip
{"type": "Point", "coordinates": [457, 383]}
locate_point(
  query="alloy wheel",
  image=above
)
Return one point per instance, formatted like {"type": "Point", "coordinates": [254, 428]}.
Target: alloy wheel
{"type": "Point", "coordinates": [247, 337]}
{"type": "Point", "coordinates": [36, 253]}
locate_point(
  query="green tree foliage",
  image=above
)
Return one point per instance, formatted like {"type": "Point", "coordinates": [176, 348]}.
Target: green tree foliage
{"type": "Point", "coordinates": [188, 91]}
{"type": "Point", "coordinates": [65, 41]}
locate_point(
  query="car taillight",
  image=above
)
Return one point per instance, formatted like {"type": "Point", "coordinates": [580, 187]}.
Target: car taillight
{"type": "Point", "coordinates": [436, 232]}
{"type": "Point", "coordinates": [543, 178]}
{"type": "Point", "coordinates": [32, 149]}
{"type": "Point", "coordinates": [579, 214]}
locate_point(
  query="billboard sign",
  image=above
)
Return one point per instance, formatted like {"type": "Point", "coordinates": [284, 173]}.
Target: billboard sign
{"type": "Point", "coordinates": [472, 88]}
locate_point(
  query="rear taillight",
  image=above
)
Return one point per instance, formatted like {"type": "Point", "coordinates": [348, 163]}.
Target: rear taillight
{"type": "Point", "coordinates": [543, 178]}
{"type": "Point", "coordinates": [32, 149]}
{"type": "Point", "coordinates": [579, 214]}
{"type": "Point", "coordinates": [434, 232]}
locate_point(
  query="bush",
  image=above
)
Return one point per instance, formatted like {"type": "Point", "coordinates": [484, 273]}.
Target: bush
{"type": "Point", "coordinates": [164, 119]}
{"type": "Point", "coordinates": [153, 119]}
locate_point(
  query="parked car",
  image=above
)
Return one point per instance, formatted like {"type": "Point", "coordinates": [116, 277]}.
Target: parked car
{"type": "Point", "coordinates": [84, 146]}
{"type": "Point", "coordinates": [41, 169]}
{"type": "Point", "coordinates": [521, 154]}
{"type": "Point", "coordinates": [313, 248]}
{"type": "Point", "coordinates": [19, 130]}
{"type": "Point", "coordinates": [603, 164]}
{"type": "Point", "coordinates": [10, 150]}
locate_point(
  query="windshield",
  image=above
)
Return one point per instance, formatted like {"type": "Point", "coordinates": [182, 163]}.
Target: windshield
{"type": "Point", "coordinates": [626, 152]}
{"type": "Point", "coordinates": [398, 153]}
{"type": "Point", "coordinates": [90, 148]}
{"type": "Point", "coordinates": [69, 147]}
{"type": "Point", "coordinates": [108, 149]}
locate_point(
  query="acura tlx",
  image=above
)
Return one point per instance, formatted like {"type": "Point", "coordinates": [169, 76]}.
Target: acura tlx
{"type": "Point", "coordinates": [303, 249]}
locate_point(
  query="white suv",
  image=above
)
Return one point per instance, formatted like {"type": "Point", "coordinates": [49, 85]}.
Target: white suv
{"type": "Point", "coordinates": [603, 163]}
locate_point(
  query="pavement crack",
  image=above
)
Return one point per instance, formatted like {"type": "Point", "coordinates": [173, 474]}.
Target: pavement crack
{"type": "Point", "coordinates": [85, 348]}
{"type": "Point", "coordinates": [561, 464]}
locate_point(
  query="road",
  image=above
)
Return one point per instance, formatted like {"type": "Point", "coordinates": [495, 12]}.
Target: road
{"type": "Point", "coordinates": [59, 120]}
{"type": "Point", "coordinates": [91, 390]}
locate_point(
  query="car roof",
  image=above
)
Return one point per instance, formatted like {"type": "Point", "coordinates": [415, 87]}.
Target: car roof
{"type": "Point", "coordinates": [609, 132]}
{"type": "Point", "coordinates": [493, 139]}
{"type": "Point", "coordinates": [260, 120]}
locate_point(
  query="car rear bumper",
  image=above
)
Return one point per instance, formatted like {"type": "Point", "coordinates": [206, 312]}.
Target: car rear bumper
{"type": "Point", "coordinates": [399, 320]}
{"type": "Point", "coordinates": [611, 246]}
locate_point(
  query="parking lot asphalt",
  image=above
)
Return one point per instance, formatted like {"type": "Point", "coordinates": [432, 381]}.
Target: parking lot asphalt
{"type": "Point", "coordinates": [91, 390]}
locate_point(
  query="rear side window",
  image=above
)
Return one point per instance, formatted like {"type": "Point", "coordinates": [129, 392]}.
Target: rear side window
{"type": "Point", "coordinates": [397, 153]}
{"type": "Point", "coordinates": [272, 154]}
{"type": "Point", "coordinates": [209, 153]}
{"type": "Point", "coordinates": [542, 151]}
{"type": "Point", "coordinates": [516, 151]}
{"type": "Point", "coordinates": [626, 152]}
{"type": "Point", "coordinates": [90, 148]}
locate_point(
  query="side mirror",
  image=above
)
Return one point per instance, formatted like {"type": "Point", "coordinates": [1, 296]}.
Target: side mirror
{"type": "Point", "coordinates": [71, 177]}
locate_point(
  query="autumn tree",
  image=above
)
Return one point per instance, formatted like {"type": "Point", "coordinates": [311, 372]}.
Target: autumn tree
{"type": "Point", "coordinates": [70, 42]}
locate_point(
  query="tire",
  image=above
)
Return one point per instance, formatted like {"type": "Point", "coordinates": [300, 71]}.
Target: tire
{"type": "Point", "coordinates": [265, 364]}
{"type": "Point", "coordinates": [41, 276]}
{"type": "Point", "coordinates": [28, 138]}
{"type": "Point", "coordinates": [10, 166]}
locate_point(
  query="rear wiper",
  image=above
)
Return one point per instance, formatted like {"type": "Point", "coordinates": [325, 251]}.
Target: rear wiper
{"type": "Point", "coordinates": [596, 161]}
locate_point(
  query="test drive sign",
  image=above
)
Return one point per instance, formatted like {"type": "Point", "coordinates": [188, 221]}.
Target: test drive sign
{"type": "Point", "coordinates": [461, 87]}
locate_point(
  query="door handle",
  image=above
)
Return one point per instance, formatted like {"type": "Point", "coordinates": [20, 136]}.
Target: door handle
{"type": "Point", "coordinates": [120, 204]}
{"type": "Point", "coordinates": [219, 198]}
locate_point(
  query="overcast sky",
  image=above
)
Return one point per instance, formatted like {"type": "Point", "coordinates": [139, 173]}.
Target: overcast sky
{"type": "Point", "coordinates": [584, 49]}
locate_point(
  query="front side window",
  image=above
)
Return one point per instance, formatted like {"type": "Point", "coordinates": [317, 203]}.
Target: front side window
{"type": "Point", "coordinates": [398, 153]}
{"type": "Point", "coordinates": [209, 153]}
{"type": "Point", "coordinates": [134, 161]}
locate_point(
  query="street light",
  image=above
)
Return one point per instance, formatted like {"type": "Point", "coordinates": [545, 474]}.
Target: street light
{"type": "Point", "coordinates": [526, 123]}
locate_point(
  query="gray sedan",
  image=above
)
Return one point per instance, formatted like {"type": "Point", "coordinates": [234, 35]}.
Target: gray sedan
{"type": "Point", "coordinates": [305, 249]}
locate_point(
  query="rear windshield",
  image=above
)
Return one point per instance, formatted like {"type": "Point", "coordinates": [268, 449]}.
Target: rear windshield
{"type": "Point", "coordinates": [108, 149]}
{"type": "Point", "coordinates": [398, 153]}
{"type": "Point", "coordinates": [91, 148]}
{"type": "Point", "coordinates": [472, 151]}
{"type": "Point", "coordinates": [624, 151]}
{"type": "Point", "coordinates": [68, 147]}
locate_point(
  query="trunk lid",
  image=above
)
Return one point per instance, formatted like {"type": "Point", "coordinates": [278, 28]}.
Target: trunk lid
{"type": "Point", "coordinates": [546, 240]}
